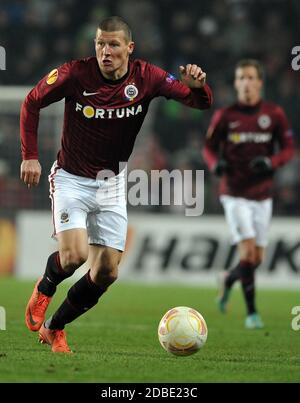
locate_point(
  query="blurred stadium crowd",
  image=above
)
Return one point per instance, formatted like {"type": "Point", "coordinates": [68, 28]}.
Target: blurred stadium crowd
{"type": "Point", "coordinates": [40, 35]}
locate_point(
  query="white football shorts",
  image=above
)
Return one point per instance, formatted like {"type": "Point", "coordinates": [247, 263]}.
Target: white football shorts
{"type": "Point", "coordinates": [248, 218]}
{"type": "Point", "coordinates": [99, 206]}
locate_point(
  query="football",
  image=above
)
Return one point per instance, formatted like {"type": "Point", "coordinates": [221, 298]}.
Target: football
{"type": "Point", "coordinates": [182, 331]}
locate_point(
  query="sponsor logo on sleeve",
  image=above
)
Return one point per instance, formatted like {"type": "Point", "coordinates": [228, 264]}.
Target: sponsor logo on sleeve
{"type": "Point", "coordinates": [52, 77]}
{"type": "Point", "coordinates": [170, 78]}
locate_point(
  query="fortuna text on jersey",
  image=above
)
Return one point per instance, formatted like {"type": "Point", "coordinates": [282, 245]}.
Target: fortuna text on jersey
{"type": "Point", "coordinates": [249, 137]}
{"type": "Point", "coordinates": [109, 113]}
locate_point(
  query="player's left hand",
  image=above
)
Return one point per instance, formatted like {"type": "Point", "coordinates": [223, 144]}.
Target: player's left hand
{"type": "Point", "coordinates": [261, 165]}
{"type": "Point", "coordinates": [192, 76]}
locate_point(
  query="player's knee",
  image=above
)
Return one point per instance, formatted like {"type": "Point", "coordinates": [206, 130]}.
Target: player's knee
{"type": "Point", "coordinates": [105, 272]}
{"type": "Point", "coordinates": [249, 255]}
{"type": "Point", "coordinates": [258, 260]}
{"type": "Point", "coordinates": [106, 275]}
{"type": "Point", "coordinates": [72, 259]}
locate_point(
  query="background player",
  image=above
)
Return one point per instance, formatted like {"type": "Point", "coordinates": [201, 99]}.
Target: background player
{"type": "Point", "coordinates": [106, 100]}
{"type": "Point", "coordinates": [245, 144]}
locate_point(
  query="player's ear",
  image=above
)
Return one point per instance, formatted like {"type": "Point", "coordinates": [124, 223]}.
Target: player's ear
{"type": "Point", "coordinates": [130, 47]}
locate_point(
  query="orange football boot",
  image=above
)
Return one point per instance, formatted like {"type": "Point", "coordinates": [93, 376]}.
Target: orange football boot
{"type": "Point", "coordinates": [55, 338]}
{"type": "Point", "coordinates": [36, 309]}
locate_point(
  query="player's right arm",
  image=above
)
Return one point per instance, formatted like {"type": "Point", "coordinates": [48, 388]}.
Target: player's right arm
{"type": "Point", "coordinates": [52, 88]}
{"type": "Point", "coordinates": [215, 137]}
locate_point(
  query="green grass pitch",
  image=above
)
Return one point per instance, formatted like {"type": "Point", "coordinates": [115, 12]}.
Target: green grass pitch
{"type": "Point", "coordinates": [117, 340]}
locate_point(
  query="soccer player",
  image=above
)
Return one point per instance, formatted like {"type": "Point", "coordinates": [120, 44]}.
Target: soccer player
{"type": "Point", "coordinates": [245, 144]}
{"type": "Point", "coordinates": [106, 100]}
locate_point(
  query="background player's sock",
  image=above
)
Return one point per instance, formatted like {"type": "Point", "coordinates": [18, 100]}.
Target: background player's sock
{"type": "Point", "coordinates": [82, 296]}
{"type": "Point", "coordinates": [248, 285]}
{"type": "Point", "coordinates": [232, 277]}
{"type": "Point", "coordinates": [54, 274]}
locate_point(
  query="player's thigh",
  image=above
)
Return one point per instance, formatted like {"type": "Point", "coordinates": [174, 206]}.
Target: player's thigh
{"type": "Point", "coordinates": [239, 218]}
{"type": "Point", "coordinates": [71, 201]}
{"type": "Point", "coordinates": [73, 247]}
{"type": "Point", "coordinates": [262, 213]}
{"type": "Point", "coordinates": [108, 227]}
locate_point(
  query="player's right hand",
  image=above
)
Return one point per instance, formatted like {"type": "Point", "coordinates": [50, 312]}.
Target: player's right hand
{"type": "Point", "coordinates": [220, 168]}
{"type": "Point", "coordinates": [30, 172]}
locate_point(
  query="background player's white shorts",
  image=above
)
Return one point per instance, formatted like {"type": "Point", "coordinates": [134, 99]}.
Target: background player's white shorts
{"type": "Point", "coordinates": [96, 205]}
{"type": "Point", "coordinates": [247, 218]}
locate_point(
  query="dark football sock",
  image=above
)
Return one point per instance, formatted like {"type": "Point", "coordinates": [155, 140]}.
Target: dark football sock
{"type": "Point", "coordinates": [82, 296]}
{"type": "Point", "coordinates": [248, 285]}
{"type": "Point", "coordinates": [54, 275]}
{"type": "Point", "coordinates": [233, 276]}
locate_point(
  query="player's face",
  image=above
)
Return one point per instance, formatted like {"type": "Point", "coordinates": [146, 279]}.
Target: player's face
{"type": "Point", "coordinates": [112, 51]}
{"type": "Point", "coordinates": [248, 84]}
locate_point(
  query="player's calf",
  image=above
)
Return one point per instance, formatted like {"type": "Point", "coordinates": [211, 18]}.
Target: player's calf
{"type": "Point", "coordinates": [54, 275]}
{"type": "Point", "coordinates": [81, 297]}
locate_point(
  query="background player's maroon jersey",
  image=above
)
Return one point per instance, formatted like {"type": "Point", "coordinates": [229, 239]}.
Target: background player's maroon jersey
{"type": "Point", "coordinates": [102, 117]}
{"type": "Point", "coordinates": [240, 133]}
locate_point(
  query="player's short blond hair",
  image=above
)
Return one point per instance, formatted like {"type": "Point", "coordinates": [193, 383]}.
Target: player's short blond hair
{"type": "Point", "coordinates": [115, 23]}
{"type": "Point", "coordinates": [251, 63]}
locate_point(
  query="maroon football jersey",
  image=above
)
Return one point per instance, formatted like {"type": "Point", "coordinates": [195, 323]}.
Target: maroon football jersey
{"type": "Point", "coordinates": [102, 117]}
{"type": "Point", "coordinates": [240, 133]}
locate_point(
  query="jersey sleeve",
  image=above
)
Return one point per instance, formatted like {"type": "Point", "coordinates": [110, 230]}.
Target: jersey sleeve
{"type": "Point", "coordinates": [57, 85]}
{"type": "Point", "coordinates": [285, 139]}
{"type": "Point", "coordinates": [166, 85]}
{"type": "Point", "coordinates": [215, 137]}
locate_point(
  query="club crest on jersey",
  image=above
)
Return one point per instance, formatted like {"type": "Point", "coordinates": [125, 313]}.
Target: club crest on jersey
{"type": "Point", "coordinates": [52, 77]}
{"type": "Point", "coordinates": [131, 92]}
{"type": "Point", "coordinates": [264, 121]}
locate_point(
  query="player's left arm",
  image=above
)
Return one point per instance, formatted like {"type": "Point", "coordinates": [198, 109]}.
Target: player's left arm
{"type": "Point", "coordinates": [192, 90]}
{"type": "Point", "coordinates": [214, 143]}
{"type": "Point", "coordinates": [285, 138]}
